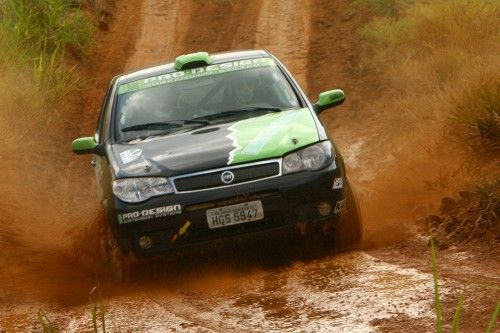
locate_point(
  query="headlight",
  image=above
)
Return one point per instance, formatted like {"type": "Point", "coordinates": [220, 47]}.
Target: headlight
{"type": "Point", "coordinates": [314, 157]}
{"type": "Point", "coordinates": [141, 189]}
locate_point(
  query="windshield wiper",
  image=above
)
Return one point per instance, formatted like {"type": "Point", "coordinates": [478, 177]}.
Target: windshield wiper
{"type": "Point", "coordinates": [165, 124]}
{"type": "Point", "coordinates": [230, 113]}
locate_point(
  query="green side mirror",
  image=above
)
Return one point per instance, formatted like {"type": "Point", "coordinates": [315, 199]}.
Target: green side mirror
{"type": "Point", "coordinates": [85, 145]}
{"type": "Point", "coordinates": [329, 99]}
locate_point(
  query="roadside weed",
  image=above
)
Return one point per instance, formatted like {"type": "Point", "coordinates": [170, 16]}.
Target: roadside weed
{"type": "Point", "coordinates": [37, 36]}
{"type": "Point", "coordinates": [97, 309]}
{"type": "Point", "coordinates": [437, 297]}
{"type": "Point", "coordinates": [458, 308]}
{"type": "Point", "coordinates": [493, 320]}
{"type": "Point", "coordinates": [47, 325]}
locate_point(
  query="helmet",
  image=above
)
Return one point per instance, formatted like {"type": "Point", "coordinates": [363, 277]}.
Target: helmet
{"type": "Point", "coordinates": [244, 87]}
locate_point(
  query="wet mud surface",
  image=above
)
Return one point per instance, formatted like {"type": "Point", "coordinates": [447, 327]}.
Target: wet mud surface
{"type": "Point", "coordinates": [385, 287]}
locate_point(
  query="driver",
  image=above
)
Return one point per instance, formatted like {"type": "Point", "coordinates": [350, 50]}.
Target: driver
{"type": "Point", "coordinates": [244, 87]}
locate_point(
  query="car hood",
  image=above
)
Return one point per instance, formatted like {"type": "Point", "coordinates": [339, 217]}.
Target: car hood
{"type": "Point", "coordinates": [258, 138]}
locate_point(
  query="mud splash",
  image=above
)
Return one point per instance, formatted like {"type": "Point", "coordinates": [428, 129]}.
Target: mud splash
{"type": "Point", "coordinates": [48, 207]}
{"type": "Point", "coordinates": [345, 293]}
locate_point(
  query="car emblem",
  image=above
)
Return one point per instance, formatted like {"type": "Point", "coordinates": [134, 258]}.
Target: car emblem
{"type": "Point", "coordinates": [227, 177]}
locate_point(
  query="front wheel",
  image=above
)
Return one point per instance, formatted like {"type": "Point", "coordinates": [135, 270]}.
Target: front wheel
{"type": "Point", "coordinates": [116, 262]}
{"type": "Point", "coordinates": [348, 232]}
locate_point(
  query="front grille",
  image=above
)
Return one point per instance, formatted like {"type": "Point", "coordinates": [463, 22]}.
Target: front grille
{"type": "Point", "coordinates": [213, 179]}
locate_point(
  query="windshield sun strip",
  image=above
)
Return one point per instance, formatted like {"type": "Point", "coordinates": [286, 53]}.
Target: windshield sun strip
{"type": "Point", "coordinates": [194, 73]}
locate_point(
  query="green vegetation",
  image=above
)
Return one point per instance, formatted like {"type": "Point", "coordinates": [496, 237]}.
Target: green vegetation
{"type": "Point", "coordinates": [458, 309]}
{"type": "Point", "coordinates": [493, 320]}
{"type": "Point", "coordinates": [437, 298]}
{"type": "Point", "coordinates": [489, 205]}
{"type": "Point", "coordinates": [47, 325]}
{"type": "Point", "coordinates": [476, 114]}
{"type": "Point", "coordinates": [443, 58]}
{"type": "Point", "coordinates": [384, 7]}
{"type": "Point", "coordinates": [37, 37]}
{"type": "Point", "coordinates": [97, 312]}
{"type": "Point", "coordinates": [438, 61]}
{"type": "Point", "coordinates": [41, 42]}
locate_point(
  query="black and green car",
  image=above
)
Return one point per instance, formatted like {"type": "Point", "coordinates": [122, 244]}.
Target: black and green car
{"type": "Point", "coordinates": [215, 148]}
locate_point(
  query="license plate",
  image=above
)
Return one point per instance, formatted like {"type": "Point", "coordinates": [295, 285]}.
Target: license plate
{"type": "Point", "coordinates": [235, 214]}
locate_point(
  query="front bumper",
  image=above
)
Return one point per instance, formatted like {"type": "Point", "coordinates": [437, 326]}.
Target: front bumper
{"type": "Point", "coordinates": [178, 221]}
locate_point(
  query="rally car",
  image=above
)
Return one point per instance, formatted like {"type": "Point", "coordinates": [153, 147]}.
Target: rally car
{"type": "Point", "coordinates": [213, 148]}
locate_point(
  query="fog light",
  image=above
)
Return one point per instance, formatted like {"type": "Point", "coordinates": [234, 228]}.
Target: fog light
{"type": "Point", "coordinates": [324, 208]}
{"type": "Point", "coordinates": [145, 242]}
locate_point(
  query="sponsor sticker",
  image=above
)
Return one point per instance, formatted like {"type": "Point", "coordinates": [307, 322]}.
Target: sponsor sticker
{"type": "Point", "coordinates": [338, 182]}
{"type": "Point", "coordinates": [147, 214]}
{"type": "Point", "coordinates": [130, 155]}
{"type": "Point", "coordinates": [339, 206]}
{"type": "Point", "coordinates": [181, 232]}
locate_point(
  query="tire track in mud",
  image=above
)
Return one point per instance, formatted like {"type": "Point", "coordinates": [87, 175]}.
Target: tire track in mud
{"type": "Point", "coordinates": [170, 28]}
{"type": "Point", "coordinates": [283, 29]}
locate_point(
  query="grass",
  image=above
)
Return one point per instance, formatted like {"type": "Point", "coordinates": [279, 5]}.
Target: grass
{"type": "Point", "coordinates": [489, 194]}
{"type": "Point", "coordinates": [45, 26]}
{"type": "Point", "coordinates": [493, 320]}
{"type": "Point", "coordinates": [438, 309]}
{"type": "Point", "coordinates": [437, 298]}
{"type": "Point", "coordinates": [384, 7]}
{"type": "Point", "coordinates": [36, 38]}
{"type": "Point", "coordinates": [97, 312]}
{"type": "Point", "coordinates": [475, 112]}
{"type": "Point", "coordinates": [47, 325]}
{"type": "Point", "coordinates": [441, 59]}
{"type": "Point", "coordinates": [40, 43]}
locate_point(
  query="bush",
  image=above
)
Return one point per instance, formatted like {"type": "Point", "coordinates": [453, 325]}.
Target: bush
{"type": "Point", "coordinates": [384, 7]}
{"type": "Point", "coordinates": [37, 35]}
{"type": "Point", "coordinates": [476, 113]}
{"type": "Point", "coordinates": [442, 58]}
{"type": "Point", "coordinates": [45, 26]}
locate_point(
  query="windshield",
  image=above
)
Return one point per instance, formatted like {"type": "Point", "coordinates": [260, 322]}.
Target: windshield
{"type": "Point", "coordinates": [168, 103]}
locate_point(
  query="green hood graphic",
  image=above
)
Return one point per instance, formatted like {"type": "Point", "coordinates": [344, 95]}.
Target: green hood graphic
{"type": "Point", "coordinates": [271, 135]}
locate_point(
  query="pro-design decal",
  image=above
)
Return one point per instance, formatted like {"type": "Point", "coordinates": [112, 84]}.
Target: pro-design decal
{"type": "Point", "coordinates": [271, 135]}
{"type": "Point", "coordinates": [151, 213]}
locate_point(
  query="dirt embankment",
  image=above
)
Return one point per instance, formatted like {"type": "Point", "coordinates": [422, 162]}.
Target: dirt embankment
{"type": "Point", "coordinates": [386, 289]}
{"type": "Point", "coordinates": [50, 202]}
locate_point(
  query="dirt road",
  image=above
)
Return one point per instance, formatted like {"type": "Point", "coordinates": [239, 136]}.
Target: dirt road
{"type": "Point", "coordinates": [379, 289]}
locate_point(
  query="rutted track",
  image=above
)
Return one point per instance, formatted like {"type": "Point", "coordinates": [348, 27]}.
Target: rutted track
{"type": "Point", "coordinates": [388, 289]}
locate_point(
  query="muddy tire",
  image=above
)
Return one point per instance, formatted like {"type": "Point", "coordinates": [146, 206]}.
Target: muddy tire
{"type": "Point", "coordinates": [348, 231]}
{"type": "Point", "coordinates": [116, 263]}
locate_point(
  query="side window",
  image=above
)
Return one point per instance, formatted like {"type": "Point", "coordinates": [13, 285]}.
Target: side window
{"type": "Point", "coordinates": [101, 125]}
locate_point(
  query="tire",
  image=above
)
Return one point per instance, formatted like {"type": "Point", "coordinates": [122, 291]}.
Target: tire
{"type": "Point", "coordinates": [116, 263]}
{"type": "Point", "coordinates": [348, 232]}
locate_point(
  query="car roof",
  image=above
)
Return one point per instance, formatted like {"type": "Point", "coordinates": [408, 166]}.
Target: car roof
{"type": "Point", "coordinates": [217, 58]}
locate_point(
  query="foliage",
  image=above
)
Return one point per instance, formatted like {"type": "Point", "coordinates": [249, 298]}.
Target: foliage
{"type": "Point", "coordinates": [45, 26]}
{"type": "Point", "coordinates": [442, 58]}
{"type": "Point", "coordinates": [36, 37]}
{"type": "Point", "coordinates": [384, 7]}
{"type": "Point", "coordinates": [476, 113]}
